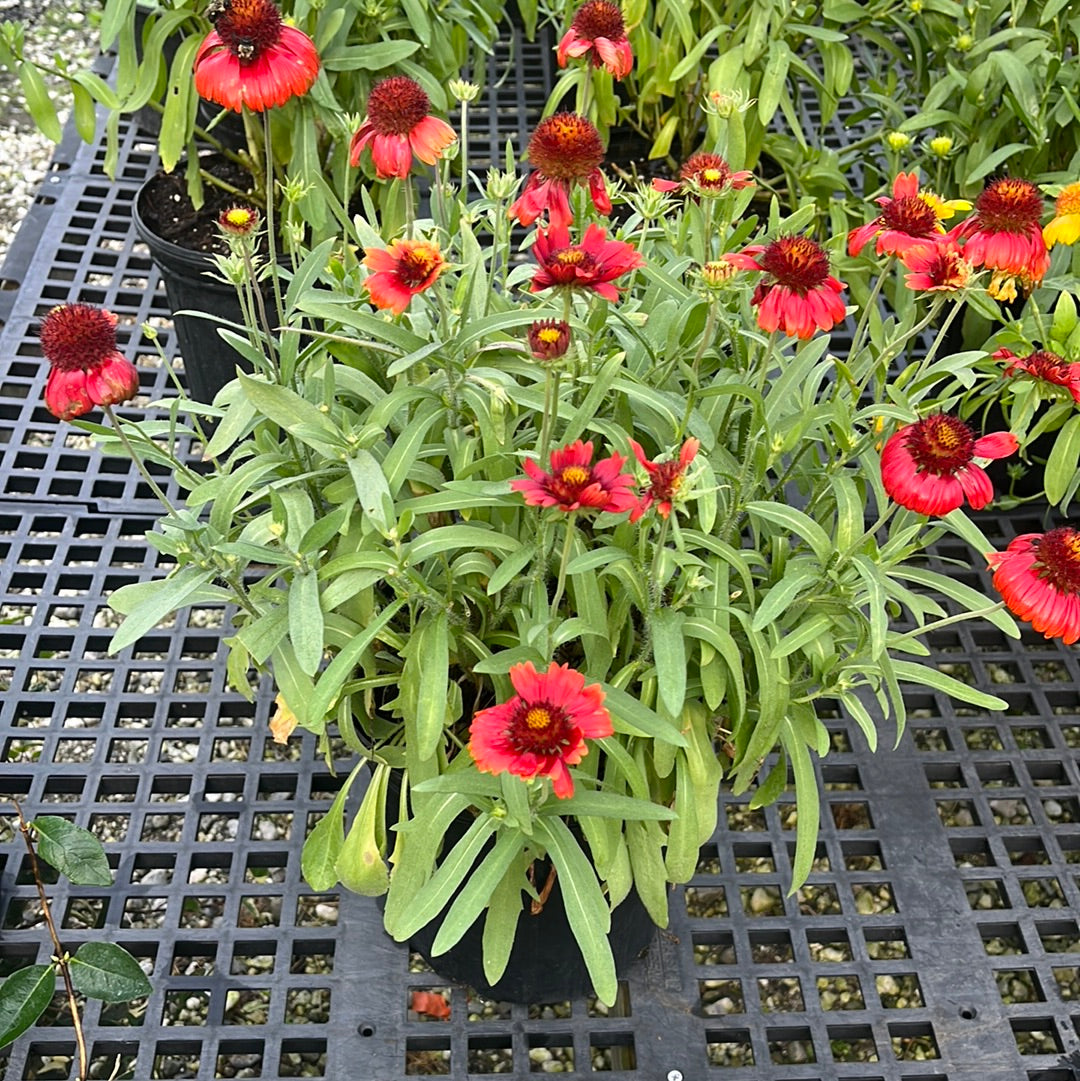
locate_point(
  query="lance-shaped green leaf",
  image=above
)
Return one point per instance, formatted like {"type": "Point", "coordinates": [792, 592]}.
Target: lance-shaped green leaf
{"type": "Point", "coordinates": [76, 853]}
{"type": "Point", "coordinates": [107, 971]}
{"type": "Point", "coordinates": [23, 998]}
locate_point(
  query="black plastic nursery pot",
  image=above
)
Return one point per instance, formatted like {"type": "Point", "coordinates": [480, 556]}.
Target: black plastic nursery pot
{"type": "Point", "coordinates": [191, 284]}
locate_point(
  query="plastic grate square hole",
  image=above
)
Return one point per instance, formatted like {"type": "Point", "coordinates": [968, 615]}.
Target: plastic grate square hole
{"type": "Point", "coordinates": [1068, 983]}
{"type": "Point", "coordinates": [49, 1062]}
{"type": "Point", "coordinates": [761, 901]}
{"type": "Point", "coordinates": [704, 903]}
{"type": "Point", "coordinates": [313, 958]}
{"type": "Point", "coordinates": [1062, 809]}
{"type": "Point", "coordinates": [1032, 739]}
{"type": "Point", "coordinates": [144, 912]}
{"type": "Point", "coordinates": [108, 1059]}
{"type": "Point", "coordinates": [173, 1059]}
{"type": "Point", "coordinates": [874, 898]}
{"type": "Point", "coordinates": [818, 900]}
{"type": "Point", "coordinates": [971, 852]}
{"type": "Point", "coordinates": [321, 911]}
{"type": "Point", "coordinates": [781, 995]}
{"type": "Point", "coordinates": [754, 859]}
{"type": "Point", "coordinates": [886, 943]}
{"type": "Point", "coordinates": [1036, 1036]}
{"type": "Point", "coordinates": [546, 1055]}
{"type": "Point", "coordinates": [1011, 812]}
{"type": "Point", "coordinates": [259, 910]}
{"type": "Point", "coordinates": [428, 1004]}
{"type": "Point", "coordinates": [612, 1051]}
{"type": "Point", "coordinates": [957, 813]}
{"type": "Point", "coordinates": [1042, 893]}
{"type": "Point", "coordinates": [840, 992]}
{"type": "Point", "coordinates": [729, 1049]}
{"type": "Point", "coordinates": [186, 1007]}
{"type": "Point", "coordinates": [862, 855]}
{"type": "Point", "coordinates": [743, 820]}
{"type": "Point", "coordinates": [250, 1006]}
{"type": "Point", "coordinates": [210, 868]}
{"type": "Point", "coordinates": [193, 959]}
{"type": "Point", "coordinates": [619, 1008]}
{"type": "Point", "coordinates": [852, 1043]}
{"type": "Point", "coordinates": [790, 1047]}
{"type": "Point", "coordinates": [1026, 851]}
{"type": "Point", "coordinates": [549, 1011]}
{"type": "Point", "coordinates": [1018, 985]}
{"type": "Point", "coordinates": [303, 1058]}
{"type": "Point", "coordinates": [718, 998]}
{"type": "Point", "coordinates": [899, 991]}
{"type": "Point", "coordinates": [201, 912]}
{"type": "Point", "coordinates": [1059, 937]}
{"type": "Point", "coordinates": [252, 959]}
{"type": "Point", "coordinates": [239, 1059]}
{"type": "Point", "coordinates": [984, 894]}
{"type": "Point", "coordinates": [913, 1042]}
{"type": "Point", "coordinates": [771, 947]}
{"type": "Point", "coordinates": [84, 913]}
{"type": "Point", "coordinates": [983, 739]}
{"type": "Point", "coordinates": [713, 948]}
{"type": "Point", "coordinates": [490, 1055]}
{"type": "Point", "coordinates": [931, 740]}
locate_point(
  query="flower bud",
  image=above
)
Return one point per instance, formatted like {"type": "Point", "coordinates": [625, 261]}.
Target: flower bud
{"type": "Point", "coordinates": [941, 145]}
{"type": "Point", "coordinates": [964, 43]}
{"type": "Point", "coordinates": [718, 272]}
{"type": "Point", "coordinates": [462, 90]}
{"type": "Point", "coordinates": [238, 220]}
{"type": "Point", "coordinates": [549, 339]}
{"type": "Point", "coordinates": [897, 140]}
{"type": "Point", "coordinates": [500, 185]}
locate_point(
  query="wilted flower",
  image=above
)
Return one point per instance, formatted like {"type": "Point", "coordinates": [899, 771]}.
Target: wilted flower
{"type": "Point", "coordinates": [707, 174]}
{"type": "Point", "coordinates": [936, 268]}
{"type": "Point", "coordinates": [1038, 577]}
{"type": "Point", "coordinates": [541, 731]}
{"type": "Point", "coordinates": [1045, 367]}
{"type": "Point", "coordinates": [665, 478]}
{"type": "Point", "coordinates": [398, 125]}
{"type": "Point", "coordinates": [598, 32]}
{"type": "Point", "coordinates": [86, 369]}
{"type": "Point", "coordinates": [929, 466]}
{"type": "Point", "coordinates": [251, 58]}
{"type": "Point", "coordinates": [905, 219]}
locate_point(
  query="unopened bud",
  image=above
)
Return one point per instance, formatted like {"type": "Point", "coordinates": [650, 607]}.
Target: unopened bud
{"type": "Point", "coordinates": [941, 145]}
{"type": "Point", "coordinates": [462, 90]}
{"type": "Point", "coordinates": [549, 339]}
{"type": "Point", "coordinates": [718, 272]}
{"type": "Point", "coordinates": [897, 140]}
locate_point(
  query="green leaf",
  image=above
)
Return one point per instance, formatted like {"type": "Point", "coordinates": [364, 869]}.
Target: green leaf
{"type": "Point", "coordinates": [306, 626]}
{"type": "Point", "coordinates": [318, 860]}
{"type": "Point", "coordinates": [447, 537]}
{"type": "Point", "coordinates": [1061, 465]}
{"type": "Point", "coordinates": [635, 719]}
{"type": "Point", "coordinates": [76, 853]}
{"type": "Point", "coordinates": [501, 922]}
{"type": "Point", "coordinates": [911, 672]}
{"type": "Point", "coordinates": [156, 601]}
{"type": "Point", "coordinates": [992, 161]}
{"type": "Point", "coordinates": [669, 655]}
{"type": "Point", "coordinates": [107, 971]}
{"type": "Point", "coordinates": [478, 891]}
{"type": "Point", "coordinates": [807, 803]}
{"type": "Point", "coordinates": [24, 996]}
{"type": "Point", "coordinates": [376, 56]}
{"type": "Point", "coordinates": [797, 522]}
{"type": "Point", "coordinates": [602, 804]}
{"type": "Point", "coordinates": [586, 909]}
{"type": "Point", "coordinates": [433, 657]}
{"type": "Point", "coordinates": [295, 414]}
{"type": "Point", "coordinates": [796, 578]}
{"type": "Point", "coordinates": [770, 790]}
{"type": "Point", "coordinates": [360, 863]}
{"type": "Point", "coordinates": [38, 103]}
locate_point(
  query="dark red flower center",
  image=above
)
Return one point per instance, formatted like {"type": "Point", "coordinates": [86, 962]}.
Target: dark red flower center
{"type": "Point", "coordinates": [665, 480]}
{"type": "Point", "coordinates": [708, 171]}
{"type": "Point", "coordinates": [1057, 558]}
{"type": "Point", "coordinates": [1049, 366]}
{"type": "Point", "coordinates": [539, 728]}
{"type": "Point", "coordinates": [415, 265]}
{"type": "Point", "coordinates": [397, 105]}
{"type": "Point", "coordinates": [78, 337]}
{"type": "Point", "coordinates": [247, 27]}
{"type": "Point", "coordinates": [910, 215]}
{"type": "Point", "coordinates": [1009, 205]}
{"type": "Point", "coordinates": [797, 262]}
{"type": "Point", "coordinates": [599, 19]}
{"type": "Point", "coordinates": [566, 146]}
{"type": "Point", "coordinates": [941, 444]}
{"type": "Point", "coordinates": [566, 264]}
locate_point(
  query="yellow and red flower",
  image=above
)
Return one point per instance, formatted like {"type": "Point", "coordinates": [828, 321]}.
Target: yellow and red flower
{"type": "Point", "coordinates": [598, 31]}
{"type": "Point", "coordinates": [665, 479]}
{"type": "Point", "coordinates": [593, 264]}
{"type": "Point", "coordinates": [575, 483]}
{"type": "Point", "coordinates": [800, 295]}
{"type": "Point", "coordinates": [541, 731]}
{"type": "Point", "coordinates": [1046, 367]}
{"type": "Point", "coordinates": [549, 339]}
{"type": "Point", "coordinates": [566, 149]}
{"type": "Point", "coordinates": [1004, 234]}
{"type": "Point", "coordinates": [398, 125]}
{"type": "Point", "coordinates": [929, 466]}
{"type": "Point", "coordinates": [86, 368]}
{"type": "Point", "coordinates": [1038, 577]}
{"type": "Point", "coordinates": [401, 271]}
{"type": "Point", "coordinates": [706, 174]}
{"type": "Point", "coordinates": [251, 58]}
{"type": "Point", "coordinates": [1064, 227]}
{"type": "Point", "coordinates": [936, 267]}
{"type": "Point", "coordinates": [908, 218]}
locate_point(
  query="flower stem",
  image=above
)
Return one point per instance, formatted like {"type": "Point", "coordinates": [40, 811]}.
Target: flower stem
{"type": "Point", "coordinates": [271, 225]}
{"type": "Point", "coordinates": [59, 956]}
{"type": "Point", "coordinates": [464, 137]}
{"type": "Point", "coordinates": [560, 584]}
{"type": "Point", "coordinates": [871, 300]}
{"type": "Point", "coordinates": [115, 421]}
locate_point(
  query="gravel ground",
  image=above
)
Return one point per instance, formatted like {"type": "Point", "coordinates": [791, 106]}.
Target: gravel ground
{"type": "Point", "coordinates": [60, 27]}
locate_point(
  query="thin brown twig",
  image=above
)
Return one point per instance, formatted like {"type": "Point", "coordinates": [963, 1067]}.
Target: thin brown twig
{"type": "Point", "coordinates": [59, 956]}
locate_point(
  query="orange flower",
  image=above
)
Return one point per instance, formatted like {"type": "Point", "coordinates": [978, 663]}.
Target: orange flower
{"type": "Point", "coordinates": [399, 125]}
{"type": "Point", "coordinates": [404, 269]}
{"type": "Point", "coordinates": [599, 32]}
{"type": "Point", "coordinates": [575, 482]}
{"type": "Point", "coordinates": [936, 268]}
{"type": "Point", "coordinates": [566, 150]}
{"type": "Point", "coordinates": [86, 369]}
{"type": "Point", "coordinates": [907, 218]}
{"type": "Point", "coordinates": [542, 729]}
{"type": "Point", "coordinates": [1038, 576]}
{"type": "Point", "coordinates": [802, 295]}
{"type": "Point", "coordinates": [252, 58]}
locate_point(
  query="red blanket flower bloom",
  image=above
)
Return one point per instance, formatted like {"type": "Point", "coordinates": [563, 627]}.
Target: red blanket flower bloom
{"type": "Point", "coordinates": [252, 58]}
{"type": "Point", "coordinates": [802, 295]}
{"type": "Point", "coordinates": [905, 219]}
{"type": "Point", "coordinates": [665, 478]}
{"type": "Point", "coordinates": [593, 264]}
{"type": "Point", "coordinates": [599, 32]}
{"type": "Point", "coordinates": [1038, 576]}
{"type": "Point", "coordinates": [707, 174]}
{"type": "Point", "coordinates": [87, 370]}
{"type": "Point", "coordinates": [1004, 235]}
{"type": "Point", "coordinates": [929, 466]}
{"type": "Point", "coordinates": [542, 729]}
{"type": "Point", "coordinates": [935, 267]}
{"type": "Point", "coordinates": [1046, 367]}
{"type": "Point", "coordinates": [566, 150]}
{"type": "Point", "coordinates": [575, 483]}
{"type": "Point", "coordinates": [549, 338]}
{"type": "Point", "coordinates": [397, 126]}
{"type": "Point", "coordinates": [404, 269]}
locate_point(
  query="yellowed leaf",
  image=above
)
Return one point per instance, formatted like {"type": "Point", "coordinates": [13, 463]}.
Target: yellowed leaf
{"type": "Point", "coordinates": [283, 721]}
